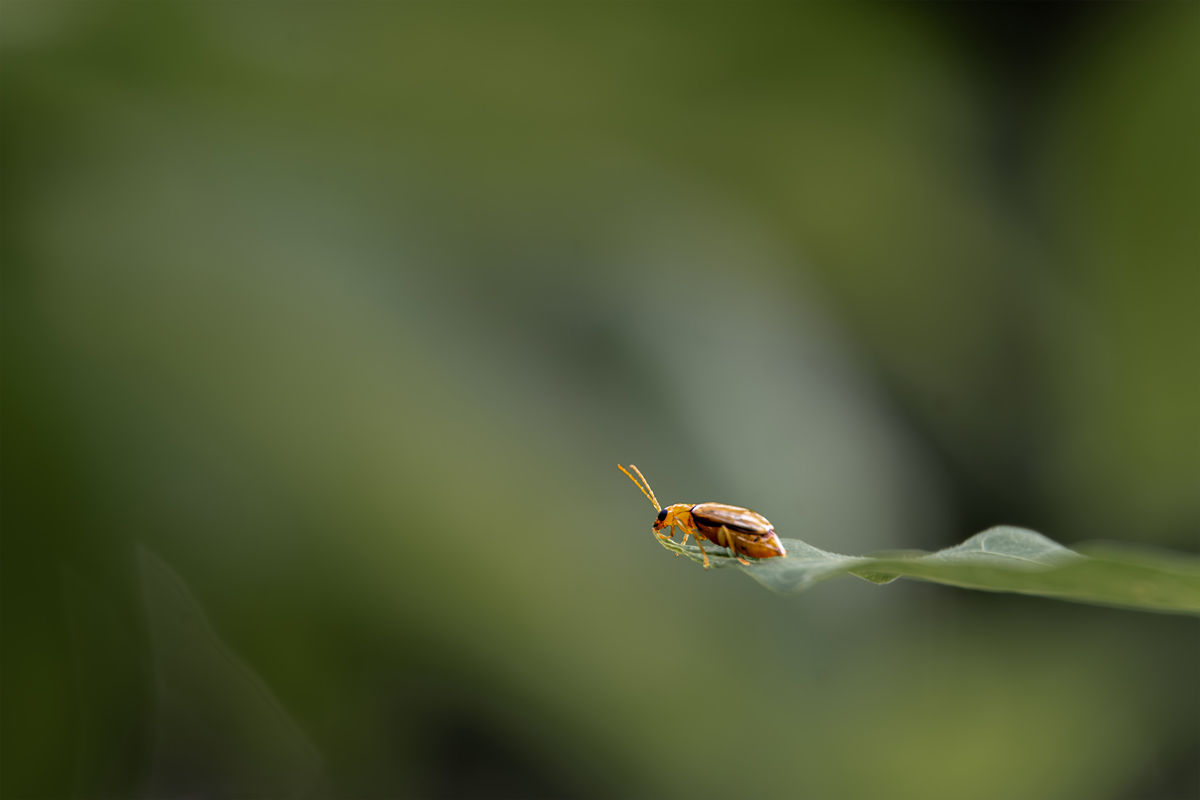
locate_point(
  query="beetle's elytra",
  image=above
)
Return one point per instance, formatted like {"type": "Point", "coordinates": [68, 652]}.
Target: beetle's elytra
{"type": "Point", "coordinates": [740, 529]}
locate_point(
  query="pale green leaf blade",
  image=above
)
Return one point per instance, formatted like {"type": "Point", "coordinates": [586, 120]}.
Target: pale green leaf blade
{"type": "Point", "coordinates": [1001, 559]}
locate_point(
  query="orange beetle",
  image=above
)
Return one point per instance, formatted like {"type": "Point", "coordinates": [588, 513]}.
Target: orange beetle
{"type": "Point", "coordinates": [740, 529]}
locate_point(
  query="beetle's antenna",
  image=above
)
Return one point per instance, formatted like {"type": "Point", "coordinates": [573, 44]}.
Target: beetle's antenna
{"type": "Point", "coordinates": [646, 483]}
{"type": "Point", "coordinates": [646, 490]}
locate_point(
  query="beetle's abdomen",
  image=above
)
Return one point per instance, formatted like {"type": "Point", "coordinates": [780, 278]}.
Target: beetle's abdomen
{"type": "Point", "coordinates": [759, 547]}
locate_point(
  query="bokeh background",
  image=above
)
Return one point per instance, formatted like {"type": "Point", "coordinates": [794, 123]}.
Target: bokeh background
{"type": "Point", "coordinates": [326, 324]}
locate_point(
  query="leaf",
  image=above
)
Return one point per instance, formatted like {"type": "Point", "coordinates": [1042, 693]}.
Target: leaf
{"type": "Point", "coordinates": [1001, 559]}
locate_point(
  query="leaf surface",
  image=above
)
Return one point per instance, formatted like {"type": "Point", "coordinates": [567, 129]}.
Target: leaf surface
{"type": "Point", "coordinates": [1001, 559]}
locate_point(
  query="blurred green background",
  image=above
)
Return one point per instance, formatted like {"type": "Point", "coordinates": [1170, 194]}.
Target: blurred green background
{"type": "Point", "coordinates": [328, 323]}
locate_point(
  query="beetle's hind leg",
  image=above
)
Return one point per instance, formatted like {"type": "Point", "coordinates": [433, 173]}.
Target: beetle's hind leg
{"type": "Point", "coordinates": [729, 542]}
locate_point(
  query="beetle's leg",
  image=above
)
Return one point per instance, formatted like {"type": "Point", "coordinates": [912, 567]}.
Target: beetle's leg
{"type": "Point", "coordinates": [700, 544]}
{"type": "Point", "coordinates": [686, 533]}
{"type": "Point", "coordinates": [733, 550]}
{"type": "Point", "coordinates": [725, 539]}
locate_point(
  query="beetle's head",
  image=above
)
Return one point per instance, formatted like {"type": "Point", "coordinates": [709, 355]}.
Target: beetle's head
{"type": "Point", "coordinates": [672, 515]}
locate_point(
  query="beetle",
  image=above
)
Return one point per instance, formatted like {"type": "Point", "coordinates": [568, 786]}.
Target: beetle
{"type": "Point", "coordinates": [740, 529]}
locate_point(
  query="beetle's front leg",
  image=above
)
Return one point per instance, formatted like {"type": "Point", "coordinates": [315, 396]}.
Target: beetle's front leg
{"type": "Point", "coordinates": [672, 536]}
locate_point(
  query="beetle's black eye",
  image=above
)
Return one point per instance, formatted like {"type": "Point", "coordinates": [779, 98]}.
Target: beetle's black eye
{"type": "Point", "coordinates": [662, 515]}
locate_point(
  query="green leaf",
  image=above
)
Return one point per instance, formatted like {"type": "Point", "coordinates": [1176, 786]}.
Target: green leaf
{"type": "Point", "coordinates": [1001, 559]}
